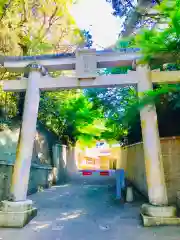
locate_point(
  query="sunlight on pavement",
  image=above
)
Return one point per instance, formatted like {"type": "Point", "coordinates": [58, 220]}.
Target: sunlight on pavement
{"type": "Point", "coordinates": [73, 215]}
{"type": "Point", "coordinates": [56, 197]}
{"type": "Point", "coordinates": [40, 222]}
{"type": "Point", "coordinates": [61, 186]}
{"type": "Point", "coordinates": [41, 227]}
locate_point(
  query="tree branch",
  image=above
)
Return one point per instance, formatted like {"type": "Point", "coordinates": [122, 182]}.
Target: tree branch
{"type": "Point", "coordinates": [6, 6]}
{"type": "Point", "coordinates": [25, 12]}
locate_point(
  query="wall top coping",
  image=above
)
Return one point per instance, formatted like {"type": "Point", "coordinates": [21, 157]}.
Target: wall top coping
{"type": "Point", "coordinates": [34, 165]}
{"type": "Point", "coordinates": [58, 144]}
{"type": "Point", "coordinates": [161, 139]}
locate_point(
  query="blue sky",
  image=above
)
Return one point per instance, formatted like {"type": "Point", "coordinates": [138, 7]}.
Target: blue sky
{"type": "Point", "coordinates": [95, 15]}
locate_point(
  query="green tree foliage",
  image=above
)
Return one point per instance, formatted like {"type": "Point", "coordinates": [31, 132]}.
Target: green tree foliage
{"type": "Point", "coordinates": [71, 116]}
{"type": "Point", "coordinates": [114, 102]}
{"type": "Point", "coordinates": [122, 107]}
{"type": "Point", "coordinates": [121, 122]}
{"type": "Point", "coordinates": [161, 43]}
{"type": "Point", "coordinates": [36, 27]}
{"type": "Point", "coordinates": [41, 27]}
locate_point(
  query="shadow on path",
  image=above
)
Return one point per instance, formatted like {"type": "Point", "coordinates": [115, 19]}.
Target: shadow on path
{"type": "Point", "coordinates": [86, 210]}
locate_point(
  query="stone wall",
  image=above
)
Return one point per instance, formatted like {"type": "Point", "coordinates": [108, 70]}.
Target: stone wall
{"type": "Point", "coordinates": [6, 170]}
{"type": "Point", "coordinates": [41, 166]}
{"type": "Point", "coordinates": [65, 160]}
{"type": "Point", "coordinates": [60, 173]}
{"type": "Point", "coordinates": [135, 166]}
{"type": "Point", "coordinates": [72, 163]}
{"type": "Point", "coordinates": [171, 160]}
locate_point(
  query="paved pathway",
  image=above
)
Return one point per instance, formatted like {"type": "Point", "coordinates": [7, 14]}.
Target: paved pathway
{"type": "Point", "coordinates": [85, 211]}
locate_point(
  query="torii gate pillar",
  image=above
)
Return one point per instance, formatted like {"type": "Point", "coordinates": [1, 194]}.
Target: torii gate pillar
{"type": "Point", "coordinates": [19, 211]}
{"type": "Point", "coordinates": [22, 165]}
{"type": "Point", "coordinates": [157, 212]}
{"type": "Point", "coordinates": [151, 142]}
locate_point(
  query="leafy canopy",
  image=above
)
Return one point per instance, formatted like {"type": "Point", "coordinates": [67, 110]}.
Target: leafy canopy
{"type": "Point", "coordinates": [163, 41]}
{"type": "Point", "coordinates": [71, 116]}
{"type": "Point", "coordinates": [36, 27]}
{"type": "Point", "coordinates": [40, 27]}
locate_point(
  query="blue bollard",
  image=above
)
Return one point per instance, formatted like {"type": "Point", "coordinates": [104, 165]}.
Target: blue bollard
{"type": "Point", "coordinates": [120, 182]}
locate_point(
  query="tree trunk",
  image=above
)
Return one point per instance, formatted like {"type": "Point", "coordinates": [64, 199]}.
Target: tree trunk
{"type": "Point", "coordinates": [20, 104]}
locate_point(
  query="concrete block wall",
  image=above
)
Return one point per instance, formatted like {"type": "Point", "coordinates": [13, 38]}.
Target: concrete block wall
{"type": "Point", "coordinates": [171, 160]}
{"type": "Point", "coordinates": [6, 170]}
{"type": "Point", "coordinates": [72, 163]}
{"type": "Point", "coordinates": [135, 166]}
{"type": "Point", "coordinates": [42, 162]}
{"type": "Point", "coordinates": [42, 152]}
{"type": "Point", "coordinates": [65, 167]}
{"type": "Point", "coordinates": [39, 178]}
{"type": "Point", "coordinates": [60, 174]}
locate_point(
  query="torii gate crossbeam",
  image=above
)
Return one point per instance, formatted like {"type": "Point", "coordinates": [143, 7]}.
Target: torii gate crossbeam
{"type": "Point", "coordinates": [104, 59]}
{"type": "Point", "coordinates": [47, 83]}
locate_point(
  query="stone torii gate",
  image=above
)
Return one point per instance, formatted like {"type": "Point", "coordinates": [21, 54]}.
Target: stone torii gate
{"type": "Point", "coordinates": [86, 62]}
